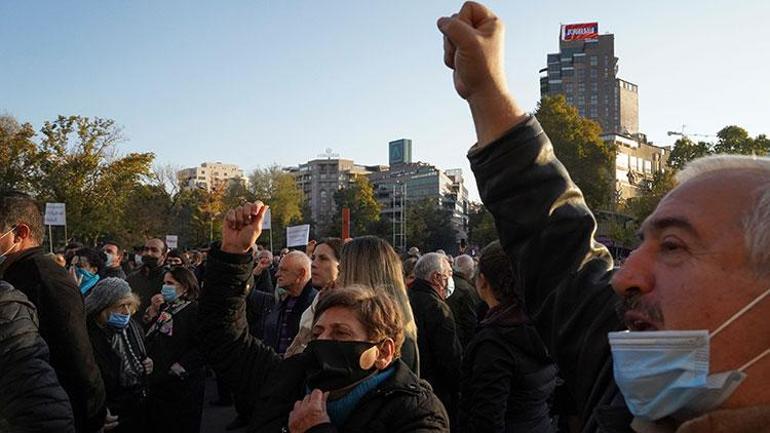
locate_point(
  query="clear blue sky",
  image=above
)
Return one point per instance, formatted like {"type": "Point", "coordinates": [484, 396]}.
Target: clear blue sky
{"type": "Point", "coordinates": [262, 82]}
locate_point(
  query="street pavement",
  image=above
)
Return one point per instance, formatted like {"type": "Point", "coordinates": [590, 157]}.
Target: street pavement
{"type": "Point", "coordinates": [215, 418]}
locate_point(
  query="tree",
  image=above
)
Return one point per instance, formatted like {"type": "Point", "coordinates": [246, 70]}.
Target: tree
{"type": "Point", "coordinates": [19, 156]}
{"type": "Point", "coordinates": [364, 208]}
{"type": "Point", "coordinates": [579, 147]}
{"type": "Point", "coordinates": [685, 150]}
{"type": "Point", "coordinates": [148, 214]}
{"type": "Point", "coordinates": [481, 226]}
{"type": "Point", "coordinates": [429, 226]}
{"type": "Point", "coordinates": [79, 166]}
{"type": "Point", "coordinates": [278, 189]}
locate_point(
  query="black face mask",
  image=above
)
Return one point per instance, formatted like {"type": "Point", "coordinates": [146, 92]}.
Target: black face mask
{"type": "Point", "coordinates": [338, 364]}
{"type": "Point", "coordinates": [150, 261]}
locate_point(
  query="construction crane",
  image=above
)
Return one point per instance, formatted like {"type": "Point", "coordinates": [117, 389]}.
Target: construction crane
{"type": "Point", "coordinates": [682, 133]}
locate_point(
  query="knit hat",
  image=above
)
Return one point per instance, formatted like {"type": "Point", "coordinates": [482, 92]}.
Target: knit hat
{"type": "Point", "coordinates": [105, 293]}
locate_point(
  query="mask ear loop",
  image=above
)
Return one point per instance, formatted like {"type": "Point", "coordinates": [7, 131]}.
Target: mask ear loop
{"type": "Point", "coordinates": [734, 318]}
{"type": "Point", "coordinates": [740, 313]}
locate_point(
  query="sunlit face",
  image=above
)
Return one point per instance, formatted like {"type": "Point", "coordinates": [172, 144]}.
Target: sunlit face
{"type": "Point", "coordinates": [169, 279]}
{"type": "Point", "coordinates": [338, 323]}
{"type": "Point", "coordinates": [289, 273]}
{"type": "Point", "coordinates": [691, 270]}
{"type": "Point", "coordinates": [325, 267]}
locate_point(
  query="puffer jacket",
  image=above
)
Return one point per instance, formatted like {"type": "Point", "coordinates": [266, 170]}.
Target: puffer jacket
{"type": "Point", "coordinates": [547, 230]}
{"type": "Point", "coordinates": [508, 377]}
{"type": "Point", "coordinates": [402, 403]}
{"type": "Point", "coordinates": [63, 327]}
{"type": "Point", "coordinates": [31, 397]}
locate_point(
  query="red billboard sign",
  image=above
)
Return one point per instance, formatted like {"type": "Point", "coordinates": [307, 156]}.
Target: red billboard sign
{"type": "Point", "coordinates": [580, 32]}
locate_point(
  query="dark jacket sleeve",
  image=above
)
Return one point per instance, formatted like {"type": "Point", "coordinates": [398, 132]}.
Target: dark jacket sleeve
{"type": "Point", "coordinates": [239, 358]}
{"type": "Point", "coordinates": [31, 397]}
{"type": "Point", "coordinates": [487, 388]}
{"type": "Point", "coordinates": [71, 352]}
{"type": "Point", "coordinates": [445, 345]}
{"type": "Point", "coordinates": [191, 358]}
{"type": "Point", "coordinates": [546, 228]}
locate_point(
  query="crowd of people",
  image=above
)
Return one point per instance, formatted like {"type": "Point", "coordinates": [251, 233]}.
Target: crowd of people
{"type": "Point", "coordinates": [539, 332]}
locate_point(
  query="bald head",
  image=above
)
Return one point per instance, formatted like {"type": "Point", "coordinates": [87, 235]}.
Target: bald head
{"type": "Point", "coordinates": [294, 272]}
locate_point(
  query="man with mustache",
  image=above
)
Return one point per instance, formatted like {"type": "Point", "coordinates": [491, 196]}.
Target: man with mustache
{"type": "Point", "coordinates": [693, 293]}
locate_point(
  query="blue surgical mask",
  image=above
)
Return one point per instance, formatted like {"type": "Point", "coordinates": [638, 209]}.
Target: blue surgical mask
{"type": "Point", "coordinates": [87, 279]}
{"type": "Point", "coordinates": [118, 321]}
{"type": "Point", "coordinates": [450, 286]}
{"type": "Point", "coordinates": [169, 293]}
{"type": "Point", "coordinates": [666, 373]}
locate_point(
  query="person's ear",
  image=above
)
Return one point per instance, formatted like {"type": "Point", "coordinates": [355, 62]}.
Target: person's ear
{"type": "Point", "coordinates": [386, 352]}
{"type": "Point", "coordinates": [21, 232]}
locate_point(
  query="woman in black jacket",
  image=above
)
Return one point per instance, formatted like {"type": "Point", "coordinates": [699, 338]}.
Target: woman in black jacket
{"type": "Point", "coordinates": [349, 379]}
{"type": "Point", "coordinates": [177, 385]}
{"type": "Point", "coordinates": [118, 343]}
{"type": "Point", "coordinates": [508, 376]}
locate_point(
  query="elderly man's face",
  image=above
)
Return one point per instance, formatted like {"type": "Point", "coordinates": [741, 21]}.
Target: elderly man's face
{"type": "Point", "coordinates": [692, 269]}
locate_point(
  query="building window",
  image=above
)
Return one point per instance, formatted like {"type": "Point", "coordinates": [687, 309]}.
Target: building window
{"type": "Point", "coordinates": [593, 73]}
{"type": "Point", "coordinates": [568, 87]}
{"type": "Point", "coordinates": [594, 99]}
{"type": "Point", "coordinates": [581, 88]}
{"type": "Point", "coordinates": [594, 61]}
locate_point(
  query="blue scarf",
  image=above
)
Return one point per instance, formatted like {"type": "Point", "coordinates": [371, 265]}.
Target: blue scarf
{"type": "Point", "coordinates": [339, 410]}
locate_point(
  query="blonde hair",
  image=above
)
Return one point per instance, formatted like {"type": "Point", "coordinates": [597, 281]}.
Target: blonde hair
{"type": "Point", "coordinates": [372, 262]}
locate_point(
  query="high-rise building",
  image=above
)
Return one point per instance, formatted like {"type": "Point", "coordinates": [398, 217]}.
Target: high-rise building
{"type": "Point", "coordinates": [585, 72]}
{"type": "Point", "coordinates": [319, 179]}
{"type": "Point", "coordinates": [400, 152]}
{"type": "Point", "coordinates": [209, 175]}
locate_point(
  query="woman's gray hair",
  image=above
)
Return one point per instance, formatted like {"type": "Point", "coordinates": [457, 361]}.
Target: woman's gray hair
{"type": "Point", "coordinates": [756, 223]}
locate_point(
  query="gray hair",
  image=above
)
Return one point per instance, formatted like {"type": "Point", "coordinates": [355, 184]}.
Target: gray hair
{"type": "Point", "coordinates": [756, 224]}
{"type": "Point", "coordinates": [428, 264]}
{"type": "Point", "coordinates": [465, 266]}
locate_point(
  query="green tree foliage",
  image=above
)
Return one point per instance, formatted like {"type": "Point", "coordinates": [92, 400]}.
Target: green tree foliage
{"type": "Point", "coordinates": [19, 156]}
{"type": "Point", "coordinates": [79, 166]}
{"type": "Point", "coordinates": [579, 147]}
{"type": "Point", "coordinates": [685, 150]}
{"type": "Point", "coordinates": [730, 139]}
{"type": "Point", "coordinates": [429, 226]}
{"type": "Point", "coordinates": [651, 193]}
{"type": "Point", "coordinates": [279, 190]}
{"type": "Point", "coordinates": [481, 226]}
{"type": "Point", "coordinates": [364, 208]}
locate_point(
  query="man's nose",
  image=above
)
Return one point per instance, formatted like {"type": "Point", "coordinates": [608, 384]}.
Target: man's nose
{"type": "Point", "coordinates": [635, 273]}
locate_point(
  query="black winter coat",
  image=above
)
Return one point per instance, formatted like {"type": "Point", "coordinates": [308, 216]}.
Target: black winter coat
{"type": "Point", "coordinates": [181, 346]}
{"type": "Point", "coordinates": [547, 230]}
{"type": "Point", "coordinates": [63, 327]}
{"type": "Point", "coordinates": [32, 399]}
{"type": "Point", "coordinates": [440, 350]}
{"type": "Point", "coordinates": [465, 304]}
{"type": "Point", "coordinates": [403, 403]}
{"type": "Point", "coordinates": [146, 283]}
{"type": "Point", "coordinates": [508, 377]}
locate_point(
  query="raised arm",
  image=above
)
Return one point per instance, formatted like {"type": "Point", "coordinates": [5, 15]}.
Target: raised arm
{"type": "Point", "coordinates": [541, 217]}
{"type": "Point", "coordinates": [241, 359]}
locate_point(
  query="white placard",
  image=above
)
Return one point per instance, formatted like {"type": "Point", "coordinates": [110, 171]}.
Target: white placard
{"type": "Point", "coordinates": [266, 222]}
{"type": "Point", "coordinates": [297, 236]}
{"type": "Point", "coordinates": [55, 214]}
{"type": "Point", "coordinates": [172, 241]}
